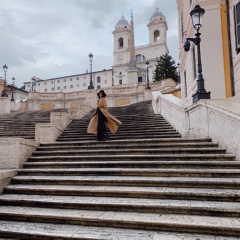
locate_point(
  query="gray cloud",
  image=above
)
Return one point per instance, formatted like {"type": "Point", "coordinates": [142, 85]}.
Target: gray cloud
{"type": "Point", "coordinates": [52, 38]}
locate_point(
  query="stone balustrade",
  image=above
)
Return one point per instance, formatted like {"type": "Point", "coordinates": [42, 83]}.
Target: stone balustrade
{"type": "Point", "coordinates": [14, 151]}
{"type": "Point", "coordinates": [215, 119]}
{"type": "Point", "coordinates": [49, 132]}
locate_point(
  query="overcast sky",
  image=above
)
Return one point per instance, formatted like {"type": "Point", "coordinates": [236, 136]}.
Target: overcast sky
{"type": "Point", "coordinates": [53, 38]}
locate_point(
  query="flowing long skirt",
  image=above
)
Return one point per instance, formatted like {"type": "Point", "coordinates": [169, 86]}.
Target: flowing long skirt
{"type": "Point", "coordinates": [101, 129]}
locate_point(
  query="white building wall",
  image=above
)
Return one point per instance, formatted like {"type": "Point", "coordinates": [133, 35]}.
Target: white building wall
{"type": "Point", "coordinates": [235, 55]}
{"type": "Point", "coordinates": [71, 83]}
{"type": "Point", "coordinates": [211, 48]}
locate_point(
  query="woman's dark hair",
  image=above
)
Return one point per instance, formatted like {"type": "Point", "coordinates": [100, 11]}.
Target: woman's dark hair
{"type": "Point", "coordinates": [103, 93]}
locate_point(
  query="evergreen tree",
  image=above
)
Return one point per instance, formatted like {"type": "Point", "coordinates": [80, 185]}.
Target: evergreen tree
{"type": "Point", "coordinates": [165, 68]}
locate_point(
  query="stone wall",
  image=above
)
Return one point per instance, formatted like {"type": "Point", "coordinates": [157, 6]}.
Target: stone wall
{"type": "Point", "coordinates": [14, 151]}
{"type": "Point", "coordinates": [116, 96]}
{"type": "Point", "coordinates": [215, 119]}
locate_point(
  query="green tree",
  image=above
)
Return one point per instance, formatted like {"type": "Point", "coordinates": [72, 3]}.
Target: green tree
{"type": "Point", "coordinates": [166, 68]}
{"type": "Point", "coordinates": [23, 87]}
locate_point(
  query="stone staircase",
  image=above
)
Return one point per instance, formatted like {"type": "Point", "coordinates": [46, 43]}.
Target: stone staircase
{"type": "Point", "coordinates": [22, 124]}
{"type": "Point", "coordinates": [144, 183]}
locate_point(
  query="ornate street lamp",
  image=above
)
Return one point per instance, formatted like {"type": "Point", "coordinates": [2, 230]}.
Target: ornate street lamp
{"type": "Point", "coordinates": [13, 79]}
{"type": "Point", "coordinates": [196, 15]}
{"type": "Point", "coordinates": [147, 66]}
{"type": "Point", "coordinates": [91, 82]}
{"type": "Point", "coordinates": [4, 94]}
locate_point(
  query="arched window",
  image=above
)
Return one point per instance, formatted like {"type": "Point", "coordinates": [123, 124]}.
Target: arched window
{"type": "Point", "coordinates": [120, 43]}
{"type": "Point", "coordinates": [156, 36]}
{"type": "Point", "coordinates": [98, 86]}
{"type": "Point", "coordinates": [98, 79]}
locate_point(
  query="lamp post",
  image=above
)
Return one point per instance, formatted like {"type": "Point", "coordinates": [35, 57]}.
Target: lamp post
{"type": "Point", "coordinates": [196, 15]}
{"type": "Point", "coordinates": [178, 73]}
{"type": "Point", "coordinates": [147, 66]}
{"type": "Point", "coordinates": [91, 82]}
{"type": "Point", "coordinates": [13, 79]}
{"type": "Point", "coordinates": [4, 94]}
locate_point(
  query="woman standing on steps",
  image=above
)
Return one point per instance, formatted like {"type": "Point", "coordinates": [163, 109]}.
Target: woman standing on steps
{"type": "Point", "coordinates": [100, 117]}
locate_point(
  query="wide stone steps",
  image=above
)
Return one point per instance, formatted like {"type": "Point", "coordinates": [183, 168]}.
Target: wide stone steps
{"type": "Point", "coordinates": [22, 125]}
{"type": "Point", "coordinates": [131, 145]}
{"type": "Point", "coordinates": [133, 151]}
{"type": "Point", "coordinates": [192, 193]}
{"type": "Point", "coordinates": [135, 220]}
{"type": "Point", "coordinates": [124, 131]}
{"type": "Point", "coordinates": [48, 231]}
{"type": "Point", "coordinates": [145, 182]}
{"type": "Point", "coordinates": [203, 164]}
{"type": "Point", "coordinates": [128, 157]}
{"type": "Point", "coordinates": [143, 205]}
{"type": "Point", "coordinates": [117, 136]}
{"type": "Point", "coordinates": [220, 173]}
{"type": "Point", "coordinates": [206, 182]}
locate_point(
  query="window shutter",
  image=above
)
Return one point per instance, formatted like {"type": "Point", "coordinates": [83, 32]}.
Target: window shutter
{"type": "Point", "coordinates": [237, 25]}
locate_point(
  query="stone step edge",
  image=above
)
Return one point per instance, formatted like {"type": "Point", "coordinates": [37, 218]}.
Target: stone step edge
{"type": "Point", "coordinates": [130, 192]}
{"type": "Point", "coordinates": [132, 140]}
{"type": "Point", "coordinates": [136, 171]}
{"type": "Point", "coordinates": [140, 149]}
{"type": "Point", "coordinates": [27, 230]}
{"type": "Point", "coordinates": [178, 182]}
{"type": "Point", "coordinates": [162, 206]}
{"type": "Point", "coordinates": [172, 222]}
{"type": "Point", "coordinates": [139, 156]}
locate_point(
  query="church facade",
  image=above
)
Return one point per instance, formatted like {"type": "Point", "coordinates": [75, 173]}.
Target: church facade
{"type": "Point", "coordinates": [129, 62]}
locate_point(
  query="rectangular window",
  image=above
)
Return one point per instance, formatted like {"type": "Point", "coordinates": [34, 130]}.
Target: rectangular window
{"type": "Point", "coordinates": [237, 25]}
{"type": "Point", "coordinates": [70, 79]}
{"type": "Point", "coordinates": [78, 78]}
{"type": "Point", "coordinates": [38, 84]}
{"type": "Point", "coordinates": [52, 89]}
{"type": "Point", "coordinates": [58, 81]}
{"type": "Point", "coordinates": [64, 80]}
{"type": "Point", "coordinates": [71, 86]}
{"type": "Point", "coordinates": [58, 88]}
{"type": "Point", "coordinates": [45, 83]}
{"type": "Point", "coordinates": [105, 81]}
{"type": "Point", "coordinates": [139, 58]}
{"type": "Point", "coordinates": [84, 84]}
{"type": "Point", "coordinates": [65, 87]}
{"type": "Point", "coordinates": [45, 90]}
{"type": "Point", "coordinates": [28, 85]}
{"type": "Point", "coordinates": [52, 82]}
{"type": "Point", "coordinates": [120, 82]}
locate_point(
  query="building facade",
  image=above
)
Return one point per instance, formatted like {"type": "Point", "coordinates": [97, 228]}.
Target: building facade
{"type": "Point", "coordinates": [129, 62]}
{"type": "Point", "coordinates": [157, 46]}
{"type": "Point", "coordinates": [101, 79]}
{"type": "Point", "coordinates": [220, 34]}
